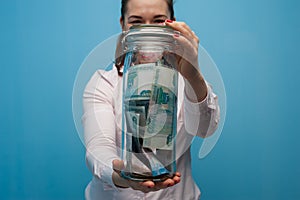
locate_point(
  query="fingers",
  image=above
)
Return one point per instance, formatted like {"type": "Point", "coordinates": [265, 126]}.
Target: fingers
{"type": "Point", "coordinates": [187, 47]}
{"type": "Point", "coordinates": [150, 186]}
{"type": "Point", "coordinates": [145, 186]}
{"type": "Point", "coordinates": [187, 40]}
{"type": "Point", "coordinates": [167, 183]}
{"type": "Point", "coordinates": [177, 178]}
{"type": "Point", "coordinates": [119, 181]}
{"type": "Point", "coordinates": [178, 174]}
{"type": "Point", "coordinates": [185, 30]}
{"type": "Point", "coordinates": [118, 165]}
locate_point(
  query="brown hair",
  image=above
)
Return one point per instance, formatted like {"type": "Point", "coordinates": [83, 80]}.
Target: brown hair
{"type": "Point", "coordinates": [120, 56]}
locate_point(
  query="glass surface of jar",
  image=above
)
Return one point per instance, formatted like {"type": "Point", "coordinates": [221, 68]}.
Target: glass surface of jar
{"type": "Point", "coordinates": [149, 111]}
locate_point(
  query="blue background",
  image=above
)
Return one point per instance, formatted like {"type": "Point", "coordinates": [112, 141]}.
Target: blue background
{"type": "Point", "coordinates": [254, 43]}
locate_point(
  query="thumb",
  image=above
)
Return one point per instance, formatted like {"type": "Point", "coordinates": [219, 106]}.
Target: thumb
{"type": "Point", "coordinates": [118, 165]}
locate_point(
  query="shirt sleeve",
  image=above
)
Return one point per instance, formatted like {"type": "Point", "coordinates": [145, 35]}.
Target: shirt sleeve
{"type": "Point", "coordinates": [202, 118]}
{"type": "Point", "coordinates": [99, 129]}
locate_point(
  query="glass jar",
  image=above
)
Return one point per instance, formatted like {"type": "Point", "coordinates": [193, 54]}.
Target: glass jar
{"type": "Point", "coordinates": [149, 111]}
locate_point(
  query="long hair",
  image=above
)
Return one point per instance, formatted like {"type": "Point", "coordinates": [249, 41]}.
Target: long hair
{"type": "Point", "coordinates": [119, 55]}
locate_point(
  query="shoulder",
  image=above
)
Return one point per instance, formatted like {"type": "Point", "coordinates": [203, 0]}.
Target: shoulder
{"type": "Point", "coordinates": [103, 78]}
{"type": "Point", "coordinates": [110, 77]}
{"type": "Point", "coordinates": [102, 85]}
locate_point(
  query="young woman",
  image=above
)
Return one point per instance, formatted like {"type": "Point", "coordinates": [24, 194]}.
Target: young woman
{"type": "Point", "coordinates": [198, 115]}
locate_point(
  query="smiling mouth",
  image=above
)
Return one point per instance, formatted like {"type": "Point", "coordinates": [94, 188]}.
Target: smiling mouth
{"type": "Point", "coordinates": [149, 56]}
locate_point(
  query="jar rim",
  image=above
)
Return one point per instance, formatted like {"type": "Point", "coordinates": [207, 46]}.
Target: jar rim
{"type": "Point", "coordinates": [151, 28]}
{"type": "Point", "coordinates": [151, 33]}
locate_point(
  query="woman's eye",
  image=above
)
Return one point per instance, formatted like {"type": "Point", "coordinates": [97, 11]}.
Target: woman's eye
{"type": "Point", "coordinates": [159, 21]}
{"type": "Point", "coordinates": [136, 22]}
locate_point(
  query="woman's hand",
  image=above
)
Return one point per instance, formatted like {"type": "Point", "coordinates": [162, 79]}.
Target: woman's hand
{"type": "Point", "coordinates": [188, 65]}
{"type": "Point", "coordinates": [146, 186]}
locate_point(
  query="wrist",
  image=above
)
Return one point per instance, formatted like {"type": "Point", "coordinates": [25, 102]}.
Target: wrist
{"type": "Point", "coordinates": [196, 88]}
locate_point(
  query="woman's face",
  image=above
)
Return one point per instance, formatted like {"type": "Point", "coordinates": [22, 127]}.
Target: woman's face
{"type": "Point", "coordinates": [145, 12]}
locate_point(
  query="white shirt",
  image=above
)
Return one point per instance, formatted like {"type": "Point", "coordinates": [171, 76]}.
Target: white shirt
{"type": "Point", "coordinates": [102, 129]}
